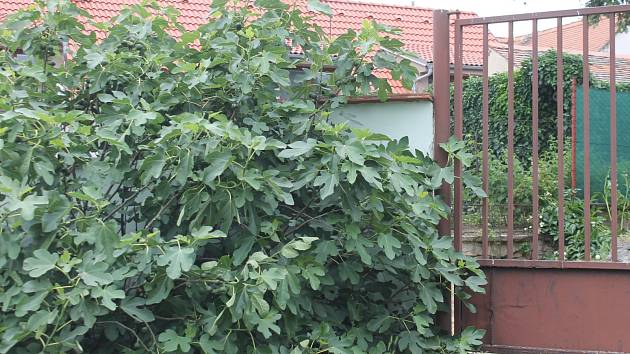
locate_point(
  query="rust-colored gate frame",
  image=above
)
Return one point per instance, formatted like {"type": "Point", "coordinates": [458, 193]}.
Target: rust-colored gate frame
{"type": "Point", "coordinates": [561, 291]}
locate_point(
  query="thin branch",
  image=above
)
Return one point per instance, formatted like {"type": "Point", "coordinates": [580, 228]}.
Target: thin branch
{"type": "Point", "coordinates": [155, 342]}
{"type": "Point", "coordinates": [130, 330]}
{"type": "Point", "coordinates": [150, 223]}
{"type": "Point", "coordinates": [123, 204]}
{"type": "Point", "coordinates": [104, 150]}
{"type": "Point", "coordinates": [107, 195]}
{"type": "Point", "coordinates": [300, 213]}
{"type": "Point", "coordinates": [406, 287]}
{"type": "Point", "coordinates": [311, 219]}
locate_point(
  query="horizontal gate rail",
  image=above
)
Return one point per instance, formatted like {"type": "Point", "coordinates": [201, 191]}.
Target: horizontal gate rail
{"type": "Point", "coordinates": [542, 264]}
{"type": "Point", "coordinates": [543, 15]}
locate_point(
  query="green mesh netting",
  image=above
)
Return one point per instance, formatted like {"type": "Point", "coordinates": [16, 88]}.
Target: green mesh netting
{"type": "Point", "coordinates": [600, 138]}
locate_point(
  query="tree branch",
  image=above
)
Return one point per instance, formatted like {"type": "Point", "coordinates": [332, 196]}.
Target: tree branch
{"type": "Point", "coordinates": [130, 330]}
{"type": "Point", "coordinates": [150, 223]}
{"type": "Point", "coordinates": [123, 204]}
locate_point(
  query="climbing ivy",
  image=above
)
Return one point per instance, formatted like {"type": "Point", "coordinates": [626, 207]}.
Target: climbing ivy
{"type": "Point", "coordinates": [498, 105]}
{"type": "Point", "coordinates": [547, 104]}
{"type": "Point", "coordinates": [191, 195]}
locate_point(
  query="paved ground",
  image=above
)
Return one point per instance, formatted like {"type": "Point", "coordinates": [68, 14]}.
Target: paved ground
{"type": "Point", "coordinates": [623, 250]}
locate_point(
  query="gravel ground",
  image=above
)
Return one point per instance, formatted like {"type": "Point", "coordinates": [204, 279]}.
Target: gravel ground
{"type": "Point", "coordinates": [623, 250]}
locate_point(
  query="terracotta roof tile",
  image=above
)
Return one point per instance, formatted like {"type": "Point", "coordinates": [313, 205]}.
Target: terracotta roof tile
{"type": "Point", "coordinates": [598, 37]}
{"type": "Point", "coordinates": [416, 23]}
{"type": "Point", "coordinates": [599, 62]}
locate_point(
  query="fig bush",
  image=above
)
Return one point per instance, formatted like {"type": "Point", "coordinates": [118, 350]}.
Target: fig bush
{"type": "Point", "coordinates": [165, 190]}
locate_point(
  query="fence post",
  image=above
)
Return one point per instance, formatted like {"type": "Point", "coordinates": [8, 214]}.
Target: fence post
{"type": "Point", "coordinates": [441, 119]}
{"type": "Point", "coordinates": [573, 133]}
{"type": "Point", "coordinates": [441, 100]}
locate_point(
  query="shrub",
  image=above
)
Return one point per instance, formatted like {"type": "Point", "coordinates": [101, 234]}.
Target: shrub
{"type": "Point", "coordinates": [522, 190]}
{"type": "Point", "coordinates": [190, 196]}
{"type": "Point", "coordinates": [574, 227]}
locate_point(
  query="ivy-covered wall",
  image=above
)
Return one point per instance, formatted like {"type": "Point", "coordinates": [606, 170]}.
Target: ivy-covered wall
{"type": "Point", "coordinates": [498, 109]}
{"type": "Point", "coordinates": [498, 100]}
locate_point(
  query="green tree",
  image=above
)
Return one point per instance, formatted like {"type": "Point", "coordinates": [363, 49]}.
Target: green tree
{"type": "Point", "coordinates": [161, 195]}
{"type": "Point", "coordinates": [623, 20]}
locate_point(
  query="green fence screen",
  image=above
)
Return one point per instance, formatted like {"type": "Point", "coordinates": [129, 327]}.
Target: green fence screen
{"type": "Point", "coordinates": [600, 138]}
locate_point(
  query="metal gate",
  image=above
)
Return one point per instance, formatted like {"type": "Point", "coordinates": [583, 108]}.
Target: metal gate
{"type": "Point", "coordinates": [533, 305]}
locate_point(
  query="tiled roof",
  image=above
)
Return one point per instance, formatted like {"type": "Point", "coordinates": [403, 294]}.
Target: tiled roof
{"type": "Point", "coordinates": [598, 36]}
{"type": "Point", "coordinates": [416, 23]}
{"type": "Point", "coordinates": [599, 62]}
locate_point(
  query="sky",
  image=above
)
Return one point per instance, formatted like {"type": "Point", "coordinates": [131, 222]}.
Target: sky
{"type": "Point", "coordinates": [497, 7]}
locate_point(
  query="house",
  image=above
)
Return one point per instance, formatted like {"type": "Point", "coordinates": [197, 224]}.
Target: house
{"type": "Point", "coordinates": [599, 62]}
{"type": "Point", "coordinates": [599, 38]}
{"type": "Point", "coordinates": [416, 24]}
{"type": "Point", "coordinates": [407, 113]}
{"type": "Point", "coordinates": [599, 44]}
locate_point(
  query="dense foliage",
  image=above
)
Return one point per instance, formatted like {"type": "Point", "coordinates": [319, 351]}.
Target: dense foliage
{"type": "Point", "coordinates": [498, 105]}
{"type": "Point", "coordinates": [547, 104]}
{"type": "Point", "coordinates": [522, 187]}
{"type": "Point", "coordinates": [574, 242]}
{"type": "Point", "coordinates": [162, 195]}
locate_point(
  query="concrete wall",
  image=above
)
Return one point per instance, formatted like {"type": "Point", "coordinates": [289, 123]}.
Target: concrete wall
{"type": "Point", "coordinates": [396, 119]}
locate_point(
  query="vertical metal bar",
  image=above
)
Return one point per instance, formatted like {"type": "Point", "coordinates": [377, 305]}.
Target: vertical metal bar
{"type": "Point", "coordinates": [613, 139]}
{"type": "Point", "coordinates": [441, 102]}
{"type": "Point", "coordinates": [510, 136]}
{"type": "Point", "coordinates": [459, 134]}
{"type": "Point", "coordinates": [459, 127]}
{"type": "Point", "coordinates": [573, 133]}
{"type": "Point", "coordinates": [535, 191]}
{"type": "Point", "coordinates": [485, 147]}
{"type": "Point", "coordinates": [560, 137]}
{"type": "Point", "coordinates": [587, 142]}
{"type": "Point", "coordinates": [442, 113]}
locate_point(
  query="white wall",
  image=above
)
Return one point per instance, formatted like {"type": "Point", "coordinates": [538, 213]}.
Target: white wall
{"type": "Point", "coordinates": [497, 63]}
{"type": "Point", "coordinates": [622, 43]}
{"type": "Point", "coordinates": [395, 119]}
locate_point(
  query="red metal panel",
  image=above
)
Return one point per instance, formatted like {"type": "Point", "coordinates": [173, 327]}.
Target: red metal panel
{"type": "Point", "coordinates": [587, 144]}
{"type": "Point", "coordinates": [613, 140]}
{"type": "Point", "coordinates": [535, 191]}
{"type": "Point", "coordinates": [510, 137]}
{"type": "Point", "coordinates": [570, 309]}
{"type": "Point", "coordinates": [485, 147]}
{"type": "Point", "coordinates": [459, 127]}
{"type": "Point", "coordinates": [560, 138]}
{"type": "Point", "coordinates": [508, 349]}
